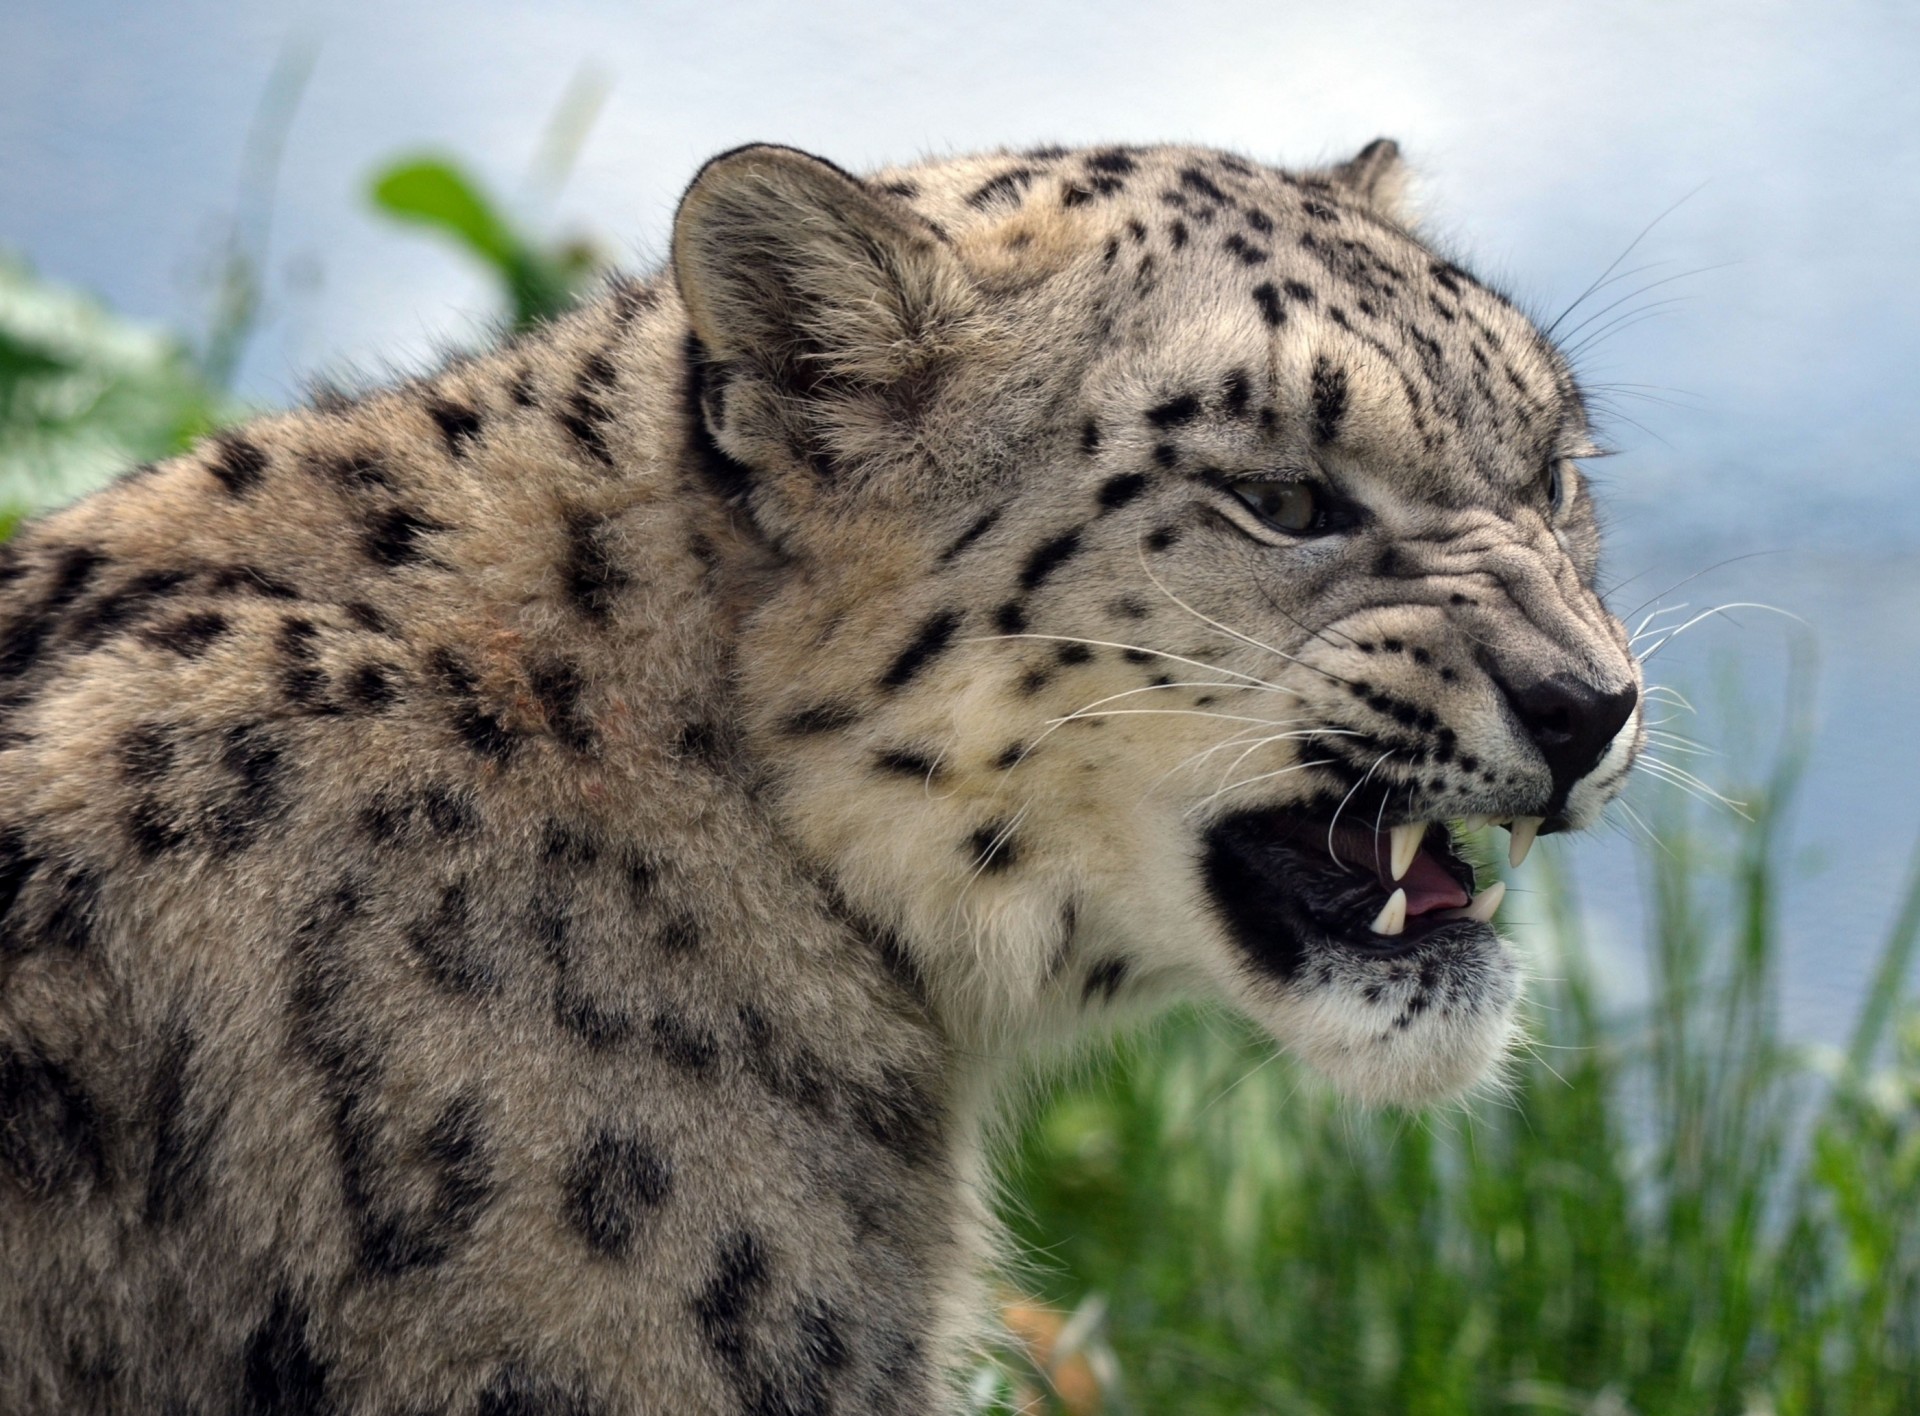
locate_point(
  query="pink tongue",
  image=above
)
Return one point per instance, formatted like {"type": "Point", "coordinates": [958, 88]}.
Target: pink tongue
{"type": "Point", "coordinates": [1428, 886]}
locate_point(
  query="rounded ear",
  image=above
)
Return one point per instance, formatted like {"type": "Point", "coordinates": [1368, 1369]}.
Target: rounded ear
{"type": "Point", "coordinates": [793, 267]}
{"type": "Point", "coordinates": [1376, 177]}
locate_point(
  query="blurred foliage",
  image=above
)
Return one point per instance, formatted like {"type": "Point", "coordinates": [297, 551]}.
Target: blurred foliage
{"type": "Point", "coordinates": [84, 394]}
{"type": "Point", "coordinates": [540, 281]}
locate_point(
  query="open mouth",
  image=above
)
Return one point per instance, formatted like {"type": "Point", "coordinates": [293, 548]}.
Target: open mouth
{"type": "Point", "coordinates": [1282, 877]}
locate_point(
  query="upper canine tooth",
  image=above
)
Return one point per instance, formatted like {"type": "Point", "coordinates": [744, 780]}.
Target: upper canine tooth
{"type": "Point", "coordinates": [1524, 829]}
{"type": "Point", "coordinates": [1486, 902]}
{"type": "Point", "coordinates": [1406, 845]}
{"type": "Point", "coordinates": [1392, 918]}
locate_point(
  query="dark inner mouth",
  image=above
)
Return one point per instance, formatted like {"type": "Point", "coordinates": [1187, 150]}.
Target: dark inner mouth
{"type": "Point", "coordinates": [1281, 877]}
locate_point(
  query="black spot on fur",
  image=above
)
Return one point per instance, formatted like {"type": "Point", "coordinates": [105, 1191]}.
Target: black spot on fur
{"type": "Point", "coordinates": [927, 645]}
{"type": "Point", "coordinates": [253, 757]}
{"type": "Point", "coordinates": [186, 1124]}
{"type": "Point", "coordinates": [679, 934]}
{"type": "Point", "coordinates": [1235, 396]}
{"type": "Point", "coordinates": [237, 463]}
{"type": "Point", "coordinates": [1329, 399]}
{"type": "Point", "coordinates": [483, 732]}
{"type": "Point", "coordinates": [146, 754]}
{"type": "Point", "coordinates": [443, 942]}
{"type": "Point", "coordinates": [1247, 253]}
{"type": "Point", "coordinates": [1116, 492]}
{"type": "Point", "coordinates": [514, 1391]}
{"type": "Point", "coordinates": [1268, 299]}
{"type": "Point", "coordinates": [281, 1373]}
{"type": "Point", "coordinates": [612, 1182]}
{"type": "Point", "coordinates": [1177, 232]}
{"type": "Point", "coordinates": [973, 533]}
{"type": "Point", "coordinates": [1167, 455]}
{"type": "Point", "coordinates": [593, 578]}
{"type": "Point", "coordinates": [124, 606]}
{"type": "Point", "coordinates": [367, 617]}
{"type": "Point", "coordinates": [296, 637]}
{"type": "Point", "coordinates": [1175, 411]}
{"type": "Point", "coordinates": [1011, 618]}
{"type": "Point", "coordinates": [372, 687]}
{"type": "Point", "coordinates": [724, 1304]}
{"type": "Point", "coordinates": [1113, 160]}
{"type": "Point", "coordinates": [684, 1044]}
{"type": "Point", "coordinates": [1008, 185]}
{"type": "Point", "coordinates": [52, 1137]}
{"type": "Point", "coordinates": [819, 718]}
{"type": "Point", "coordinates": [1162, 537]}
{"type": "Point", "coordinates": [153, 829]}
{"type": "Point", "coordinates": [1299, 292]}
{"type": "Point", "coordinates": [897, 1115]}
{"type": "Point", "coordinates": [1104, 979]}
{"type": "Point", "coordinates": [712, 745]}
{"type": "Point", "coordinates": [392, 536]}
{"type": "Point", "coordinates": [1048, 557]}
{"type": "Point", "coordinates": [557, 686]}
{"type": "Point", "coordinates": [905, 762]}
{"type": "Point", "coordinates": [993, 849]}
{"type": "Point", "coordinates": [1073, 653]}
{"type": "Point", "coordinates": [188, 636]}
{"type": "Point", "coordinates": [1090, 437]}
{"type": "Point", "coordinates": [459, 424]}
{"type": "Point", "coordinates": [1195, 180]}
{"type": "Point", "coordinates": [398, 1238]}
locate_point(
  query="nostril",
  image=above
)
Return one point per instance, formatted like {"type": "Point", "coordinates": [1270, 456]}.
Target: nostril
{"type": "Point", "coordinates": [1571, 721]}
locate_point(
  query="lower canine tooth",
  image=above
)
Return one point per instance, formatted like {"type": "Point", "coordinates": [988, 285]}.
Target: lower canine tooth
{"type": "Point", "coordinates": [1392, 918]}
{"type": "Point", "coordinates": [1524, 829]}
{"type": "Point", "coordinates": [1479, 821]}
{"type": "Point", "coordinates": [1406, 845]}
{"type": "Point", "coordinates": [1486, 902]}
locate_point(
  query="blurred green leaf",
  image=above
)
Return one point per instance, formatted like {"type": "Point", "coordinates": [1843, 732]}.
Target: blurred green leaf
{"type": "Point", "coordinates": [435, 193]}
{"type": "Point", "coordinates": [85, 393]}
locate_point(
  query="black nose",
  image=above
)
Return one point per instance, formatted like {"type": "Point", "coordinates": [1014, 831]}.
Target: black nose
{"type": "Point", "coordinates": [1570, 721]}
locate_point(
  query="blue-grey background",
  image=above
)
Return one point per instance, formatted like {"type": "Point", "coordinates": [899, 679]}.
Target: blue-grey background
{"type": "Point", "coordinates": [1769, 409]}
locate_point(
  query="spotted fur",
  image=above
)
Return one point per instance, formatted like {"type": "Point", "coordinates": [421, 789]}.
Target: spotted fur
{"type": "Point", "coordinates": [518, 891]}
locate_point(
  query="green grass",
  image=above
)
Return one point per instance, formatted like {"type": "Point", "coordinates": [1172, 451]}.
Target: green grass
{"type": "Point", "coordinates": [1668, 1211]}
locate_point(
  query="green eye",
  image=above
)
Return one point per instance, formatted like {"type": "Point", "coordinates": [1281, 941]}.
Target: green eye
{"type": "Point", "coordinates": [1291, 506]}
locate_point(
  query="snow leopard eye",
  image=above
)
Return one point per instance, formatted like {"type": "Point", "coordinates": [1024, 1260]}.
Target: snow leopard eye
{"type": "Point", "coordinates": [1290, 506]}
{"type": "Point", "coordinates": [1296, 505]}
{"type": "Point", "coordinates": [1556, 483]}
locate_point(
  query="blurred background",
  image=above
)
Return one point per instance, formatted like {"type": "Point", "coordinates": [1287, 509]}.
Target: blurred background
{"type": "Point", "coordinates": [1701, 1189]}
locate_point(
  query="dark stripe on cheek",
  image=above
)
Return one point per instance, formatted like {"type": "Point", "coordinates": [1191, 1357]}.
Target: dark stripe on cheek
{"type": "Point", "coordinates": [1049, 557]}
{"type": "Point", "coordinates": [932, 641]}
{"type": "Point", "coordinates": [1329, 400]}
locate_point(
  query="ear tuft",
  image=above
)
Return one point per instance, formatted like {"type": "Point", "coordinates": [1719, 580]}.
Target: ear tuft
{"type": "Point", "coordinates": [1376, 177]}
{"type": "Point", "coordinates": [792, 266]}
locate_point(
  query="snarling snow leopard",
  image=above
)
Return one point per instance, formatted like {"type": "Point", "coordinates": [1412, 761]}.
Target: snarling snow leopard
{"type": "Point", "coordinates": [519, 890]}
